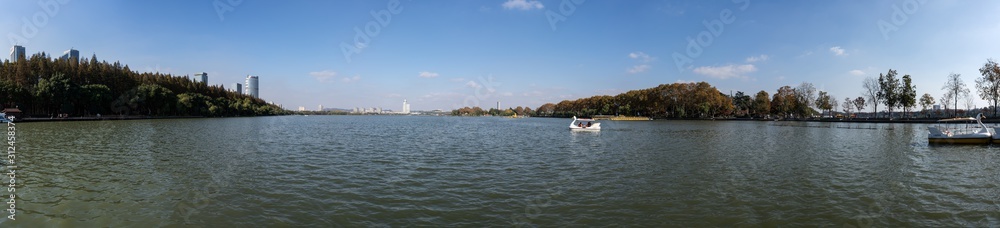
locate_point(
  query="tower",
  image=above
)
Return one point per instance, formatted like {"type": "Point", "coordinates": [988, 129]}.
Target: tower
{"type": "Point", "coordinates": [251, 87]}
{"type": "Point", "coordinates": [17, 53]}
{"type": "Point", "coordinates": [201, 78]}
{"type": "Point", "coordinates": [238, 88]}
{"type": "Point", "coordinates": [71, 54]}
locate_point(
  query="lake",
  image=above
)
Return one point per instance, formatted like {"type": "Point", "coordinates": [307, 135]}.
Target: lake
{"type": "Point", "coordinates": [321, 171]}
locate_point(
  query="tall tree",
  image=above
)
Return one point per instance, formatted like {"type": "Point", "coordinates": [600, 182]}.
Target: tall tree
{"type": "Point", "coordinates": [742, 102]}
{"type": "Point", "coordinates": [805, 94]}
{"type": "Point", "coordinates": [784, 101]}
{"type": "Point", "coordinates": [926, 101]}
{"type": "Point", "coordinates": [872, 91]}
{"type": "Point", "coordinates": [889, 90]}
{"type": "Point", "coordinates": [989, 84]}
{"type": "Point", "coordinates": [847, 105]}
{"type": "Point", "coordinates": [823, 101]}
{"type": "Point", "coordinates": [761, 104]}
{"type": "Point", "coordinates": [955, 89]}
{"type": "Point", "coordinates": [907, 94]}
{"type": "Point", "coordinates": [859, 103]}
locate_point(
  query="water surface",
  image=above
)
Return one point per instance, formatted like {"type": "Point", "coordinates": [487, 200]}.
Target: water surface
{"type": "Point", "coordinates": [462, 171]}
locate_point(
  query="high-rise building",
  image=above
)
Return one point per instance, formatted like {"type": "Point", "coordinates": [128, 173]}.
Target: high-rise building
{"type": "Point", "coordinates": [238, 88]}
{"type": "Point", "coordinates": [201, 78]}
{"type": "Point", "coordinates": [320, 108]}
{"type": "Point", "coordinates": [250, 88]}
{"type": "Point", "coordinates": [406, 107]}
{"type": "Point", "coordinates": [72, 54]}
{"type": "Point", "coordinates": [17, 53]}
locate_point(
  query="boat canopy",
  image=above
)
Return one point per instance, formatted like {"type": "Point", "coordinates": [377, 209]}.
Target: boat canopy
{"type": "Point", "coordinates": [958, 119]}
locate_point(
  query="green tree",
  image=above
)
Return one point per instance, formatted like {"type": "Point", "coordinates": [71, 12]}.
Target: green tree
{"type": "Point", "coordinates": [907, 94]}
{"type": "Point", "coordinates": [805, 94]}
{"type": "Point", "coordinates": [96, 98]}
{"type": "Point", "coordinates": [926, 101]}
{"type": "Point", "coordinates": [783, 101]}
{"type": "Point", "coordinates": [989, 84]}
{"type": "Point", "coordinates": [823, 102]}
{"type": "Point", "coordinates": [889, 92]}
{"type": "Point", "coordinates": [761, 104]}
{"type": "Point", "coordinates": [54, 93]}
{"type": "Point", "coordinates": [859, 103]}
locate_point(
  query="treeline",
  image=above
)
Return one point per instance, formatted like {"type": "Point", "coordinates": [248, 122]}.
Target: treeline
{"type": "Point", "coordinates": [702, 100]}
{"type": "Point", "coordinates": [42, 87]}
{"type": "Point", "coordinates": [476, 111]}
{"type": "Point", "coordinates": [684, 100]}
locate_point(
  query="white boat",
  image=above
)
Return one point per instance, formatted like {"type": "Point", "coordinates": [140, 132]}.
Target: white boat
{"type": "Point", "coordinates": [584, 125]}
{"type": "Point", "coordinates": [946, 132]}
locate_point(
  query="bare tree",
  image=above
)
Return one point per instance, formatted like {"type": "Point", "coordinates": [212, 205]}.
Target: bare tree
{"type": "Point", "coordinates": [847, 105]}
{"type": "Point", "coordinates": [970, 104]}
{"type": "Point", "coordinates": [872, 89]}
{"type": "Point", "coordinates": [955, 89]}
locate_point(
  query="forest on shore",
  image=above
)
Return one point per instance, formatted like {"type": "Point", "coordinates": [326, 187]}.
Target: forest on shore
{"type": "Point", "coordinates": [41, 86]}
{"type": "Point", "coordinates": [888, 90]}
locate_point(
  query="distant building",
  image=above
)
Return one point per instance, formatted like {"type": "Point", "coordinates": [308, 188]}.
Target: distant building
{"type": "Point", "coordinates": [17, 53]}
{"type": "Point", "coordinates": [238, 88]}
{"type": "Point", "coordinates": [406, 107]}
{"type": "Point", "coordinates": [302, 108]}
{"type": "Point", "coordinates": [250, 88]}
{"type": "Point", "coordinates": [71, 54]}
{"type": "Point", "coordinates": [320, 108]}
{"type": "Point", "coordinates": [201, 78]}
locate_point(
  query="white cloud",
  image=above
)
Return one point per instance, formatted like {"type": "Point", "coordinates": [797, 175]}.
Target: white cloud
{"type": "Point", "coordinates": [507, 94]}
{"type": "Point", "coordinates": [640, 56]}
{"type": "Point", "coordinates": [473, 84]}
{"type": "Point", "coordinates": [351, 79]}
{"type": "Point", "coordinates": [683, 81]}
{"type": "Point", "coordinates": [323, 76]}
{"type": "Point", "coordinates": [856, 72]}
{"type": "Point", "coordinates": [426, 74]}
{"type": "Point", "coordinates": [638, 69]}
{"type": "Point", "coordinates": [522, 4]}
{"type": "Point", "coordinates": [760, 58]}
{"type": "Point", "coordinates": [838, 51]}
{"type": "Point", "coordinates": [726, 72]}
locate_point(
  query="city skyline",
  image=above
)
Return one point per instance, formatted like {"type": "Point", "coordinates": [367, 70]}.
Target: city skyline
{"type": "Point", "coordinates": [450, 54]}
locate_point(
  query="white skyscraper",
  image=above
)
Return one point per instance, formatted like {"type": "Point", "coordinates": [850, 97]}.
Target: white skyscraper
{"type": "Point", "coordinates": [250, 88]}
{"type": "Point", "coordinates": [17, 53]}
{"type": "Point", "coordinates": [320, 108]}
{"type": "Point", "coordinates": [406, 107]}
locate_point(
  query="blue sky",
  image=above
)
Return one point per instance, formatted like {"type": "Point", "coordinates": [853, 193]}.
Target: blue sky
{"type": "Point", "coordinates": [449, 54]}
